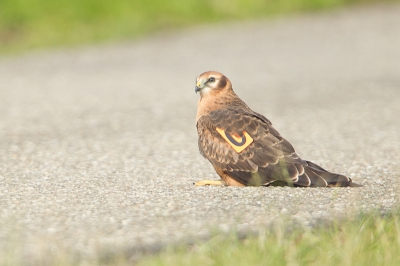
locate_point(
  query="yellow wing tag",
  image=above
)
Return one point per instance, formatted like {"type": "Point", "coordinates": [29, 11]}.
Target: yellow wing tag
{"type": "Point", "coordinates": [237, 142]}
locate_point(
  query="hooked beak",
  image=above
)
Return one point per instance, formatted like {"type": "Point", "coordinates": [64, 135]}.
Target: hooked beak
{"type": "Point", "coordinates": [197, 87]}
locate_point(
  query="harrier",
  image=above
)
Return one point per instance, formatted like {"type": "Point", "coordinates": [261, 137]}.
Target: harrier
{"type": "Point", "coordinates": [243, 146]}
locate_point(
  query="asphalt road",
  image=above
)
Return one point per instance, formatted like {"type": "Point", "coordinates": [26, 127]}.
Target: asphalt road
{"type": "Point", "coordinates": [98, 146]}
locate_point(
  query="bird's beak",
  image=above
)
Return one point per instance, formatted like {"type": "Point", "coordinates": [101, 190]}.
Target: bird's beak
{"type": "Point", "coordinates": [197, 88]}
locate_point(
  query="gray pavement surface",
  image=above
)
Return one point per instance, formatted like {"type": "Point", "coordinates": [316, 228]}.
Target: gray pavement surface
{"type": "Point", "coordinates": [98, 146]}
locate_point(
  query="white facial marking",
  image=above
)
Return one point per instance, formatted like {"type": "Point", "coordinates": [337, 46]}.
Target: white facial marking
{"type": "Point", "coordinates": [206, 90]}
{"type": "Point", "coordinates": [205, 85]}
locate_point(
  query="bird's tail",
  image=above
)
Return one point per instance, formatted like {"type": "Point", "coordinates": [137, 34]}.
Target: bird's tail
{"type": "Point", "coordinates": [319, 177]}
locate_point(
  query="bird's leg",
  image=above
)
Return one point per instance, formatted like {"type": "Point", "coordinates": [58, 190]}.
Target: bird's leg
{"type": "Point", "coordinates": [210, 183]}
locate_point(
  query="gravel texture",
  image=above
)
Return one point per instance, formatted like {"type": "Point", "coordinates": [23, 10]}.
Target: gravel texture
{"type": "Point", "coordinates": [98, 145]}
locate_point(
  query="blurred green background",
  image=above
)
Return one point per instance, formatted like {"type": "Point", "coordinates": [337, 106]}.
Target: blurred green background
{"type": "Point", "coordinates": [32, 24]}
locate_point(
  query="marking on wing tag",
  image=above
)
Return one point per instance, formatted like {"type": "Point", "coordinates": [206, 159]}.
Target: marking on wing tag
{"type": "Point", "coordinates": [237, 142]}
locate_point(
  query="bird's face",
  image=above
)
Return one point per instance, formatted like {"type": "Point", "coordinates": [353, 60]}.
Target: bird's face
{"type": "Point", "coordinates": [210, 81]}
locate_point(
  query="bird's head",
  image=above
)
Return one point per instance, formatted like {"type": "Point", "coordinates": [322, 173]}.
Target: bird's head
{"type": "Point", "coordinates": [211, 81]}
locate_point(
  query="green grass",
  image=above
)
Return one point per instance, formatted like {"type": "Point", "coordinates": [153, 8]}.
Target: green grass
{"type": "Point", "coordinates": [32, 24]}
{"type": "Point", "coordinates": [369, 240]}
{"type": "Point", "coordinates": [364, 240]}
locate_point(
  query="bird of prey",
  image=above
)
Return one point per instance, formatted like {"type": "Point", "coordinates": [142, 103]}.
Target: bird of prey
{"type": "Point", "coordinates": [243, 146]}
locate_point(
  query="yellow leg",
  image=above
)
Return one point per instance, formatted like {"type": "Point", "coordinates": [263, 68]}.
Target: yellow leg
{"type": "Point", "coordinates": [210, 183]}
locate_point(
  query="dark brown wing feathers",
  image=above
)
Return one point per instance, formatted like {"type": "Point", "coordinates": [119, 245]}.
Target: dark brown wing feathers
{"type": "Point", "coordinates": [269, 158]}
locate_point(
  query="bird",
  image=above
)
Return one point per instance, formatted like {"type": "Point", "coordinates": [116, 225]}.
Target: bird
{"type": "Point", "coordinates": [243, 146]}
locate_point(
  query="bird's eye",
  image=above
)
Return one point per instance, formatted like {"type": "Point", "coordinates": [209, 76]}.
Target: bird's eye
{"type": "Point", "coordinates": [211, 80]}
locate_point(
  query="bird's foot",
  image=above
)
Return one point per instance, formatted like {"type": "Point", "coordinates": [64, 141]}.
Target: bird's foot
{"type": "Point", "coordinates": [210, 183]}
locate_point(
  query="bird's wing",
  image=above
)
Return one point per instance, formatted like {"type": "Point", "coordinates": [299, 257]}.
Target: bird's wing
{"type": "Point", "coordinates": [246, 146]}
